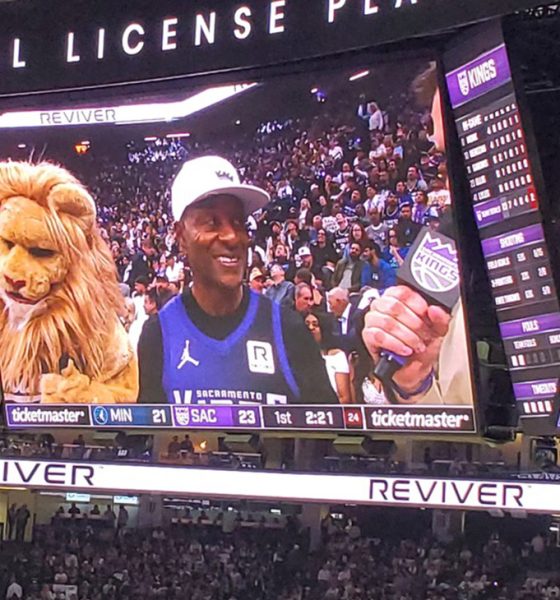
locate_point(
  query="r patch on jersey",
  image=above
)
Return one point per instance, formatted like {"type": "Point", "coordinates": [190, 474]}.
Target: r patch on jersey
{"type": "Point", "coordinates": [260, 357]}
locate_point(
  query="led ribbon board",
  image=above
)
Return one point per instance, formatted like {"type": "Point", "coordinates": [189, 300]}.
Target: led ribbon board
{"type": "Point", "coordinates": [464, 494]}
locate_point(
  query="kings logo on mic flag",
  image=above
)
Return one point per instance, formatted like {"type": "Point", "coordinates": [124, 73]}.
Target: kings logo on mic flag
{"type": "Point", "coordinates": [433, 267]}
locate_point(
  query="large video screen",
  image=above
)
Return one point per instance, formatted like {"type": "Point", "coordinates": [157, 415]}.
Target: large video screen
{"type": "Point", "coordinates": [260, 254]}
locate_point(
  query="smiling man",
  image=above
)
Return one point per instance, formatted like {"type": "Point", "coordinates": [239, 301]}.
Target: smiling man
{"type": "Point", "coordinates": [220, 343]}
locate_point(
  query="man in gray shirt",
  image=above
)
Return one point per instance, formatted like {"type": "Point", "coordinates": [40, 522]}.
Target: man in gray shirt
{"type": "Point", "coordinates": [281, 291]}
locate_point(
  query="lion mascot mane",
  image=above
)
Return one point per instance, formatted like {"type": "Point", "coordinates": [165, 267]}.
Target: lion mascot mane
{"type": "Point", "coordinates": [60, 336]}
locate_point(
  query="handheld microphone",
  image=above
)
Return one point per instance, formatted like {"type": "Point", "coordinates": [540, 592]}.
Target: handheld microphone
{"type": "Point", "coordinates": [430, 268]}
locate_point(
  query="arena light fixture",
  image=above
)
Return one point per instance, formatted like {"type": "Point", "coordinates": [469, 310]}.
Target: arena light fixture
{"type": "Point", "coordinates": [132, 114]}
{"type": "Point", "coordinates": [22, 146]}
{"type": "Point", "coordinates": [314, 90]}
{"type": "Point", "coordinates": [178, 135]}
{"type": "Point", "coordinates": [358, 75]}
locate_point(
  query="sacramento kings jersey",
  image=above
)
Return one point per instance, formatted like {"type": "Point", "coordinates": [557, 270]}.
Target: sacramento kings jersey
{"type": "Point", "coordinates": [249, 366]}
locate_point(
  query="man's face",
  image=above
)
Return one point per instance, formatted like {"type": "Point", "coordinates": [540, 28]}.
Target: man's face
{"type": "Point", "coordinates": [341, 221]}
{"type": "Point", "coordinates": [420, 198]}
{"type": "Point", "coordinates": [370, 192]}
{"type": "Point", "coordinates": [355, 197]}
{"type": "Point", "coordinates": [304, 300]}
{"type": "Point", "coordinates": [277, 273]}
{"type": "Point", "coordinates": [412, 174]}
{"type": "Point", "coordinates": [257, 284]}
{"type": "Point", "coordinates": [400, 187]}
{"type": "Point", "coordinates": [213, 236]}
{"type": "Point", "coordinates": [139, 288]}
{"type": "Point", "coordinates": [307, 261]}
{"type": "Point", "coordinates": [317, 222]}
{"type": "Point", "coordinates": [337, 305]}
{"type": "Point", "coordinates": [374, 217]}
{"type": "Point", "coordinates": [292, 230]}
{"type": "Point", "coordinates": [355, 251]}
{"type": "Point", "coordinates": [280, 252]}
{"type": "Point", "coordinates": [406, 212]}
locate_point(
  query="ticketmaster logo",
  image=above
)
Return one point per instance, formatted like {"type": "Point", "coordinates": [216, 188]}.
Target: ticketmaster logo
{"type": "Point", "coordinates": [55, 415]}
{"type": "Point", "coordinates": [389, 419]}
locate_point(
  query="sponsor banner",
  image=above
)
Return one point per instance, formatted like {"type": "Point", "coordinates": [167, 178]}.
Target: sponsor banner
{"type": "Point", "coordinates": [46, 416]}
{"type": "Point", "coordinates": [109, 42]}
{"type": "Point", "coordinates": [479, 76]}
{"type": "Point", "coordinates": [428, 418]}
{"type": "Point", "coordinates": [468, 494]}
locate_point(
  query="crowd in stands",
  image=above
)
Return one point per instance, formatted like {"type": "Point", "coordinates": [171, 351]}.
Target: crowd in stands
{"type": "Point", "coordinates": [202, 563]}
{"type": "Point", "coordinates": [181, 450]}
{"type": "Point", "coordinates": [123, 447]}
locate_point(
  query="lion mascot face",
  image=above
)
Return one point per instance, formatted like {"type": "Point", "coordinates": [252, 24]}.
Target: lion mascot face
{"type": "Point", "coordinates": [60, 335]}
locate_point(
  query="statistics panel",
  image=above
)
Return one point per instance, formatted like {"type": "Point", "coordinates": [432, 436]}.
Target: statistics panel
{"type": "Point", "coordinates": [506, 208]}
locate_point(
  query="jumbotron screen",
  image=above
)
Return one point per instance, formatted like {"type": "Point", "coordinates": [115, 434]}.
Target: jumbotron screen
{"type": "Point", "coordinates": [259, 254]}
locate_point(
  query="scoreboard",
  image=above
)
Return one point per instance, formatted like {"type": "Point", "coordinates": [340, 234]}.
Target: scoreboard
{"type": "Point", "coordinates": [506, 209]}
{"type": "Point", "coordinates": [392, 418]}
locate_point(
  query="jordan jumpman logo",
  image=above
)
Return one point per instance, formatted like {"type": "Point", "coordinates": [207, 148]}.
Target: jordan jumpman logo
{"type": "Point", "coordinates": [186, 357]}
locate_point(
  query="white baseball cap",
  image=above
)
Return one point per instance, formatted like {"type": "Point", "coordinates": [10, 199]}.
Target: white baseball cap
{"type": "Point", "coordinates": [210, 175]}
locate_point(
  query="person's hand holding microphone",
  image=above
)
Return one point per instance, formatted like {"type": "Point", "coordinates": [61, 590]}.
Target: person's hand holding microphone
{"type": "Point", "coordinates": [403, 323]}
{"type": "Point", "coordinates": [405, 328]}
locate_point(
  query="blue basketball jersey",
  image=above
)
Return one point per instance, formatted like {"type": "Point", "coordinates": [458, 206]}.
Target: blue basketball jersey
{"type": "Point", "coordinates": [250, 366]}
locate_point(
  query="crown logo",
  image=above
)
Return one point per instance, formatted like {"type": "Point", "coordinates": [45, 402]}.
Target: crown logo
{"type": "Point", "coordinates": [445, 251]}
{"type": "Point", "coordinates": [224, 175]}
{"type": "Point", "coordinates": [434, 265]}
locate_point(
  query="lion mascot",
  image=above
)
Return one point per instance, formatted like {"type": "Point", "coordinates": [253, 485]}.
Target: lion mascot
{"type": "Point", "coordinates": [61, 339]}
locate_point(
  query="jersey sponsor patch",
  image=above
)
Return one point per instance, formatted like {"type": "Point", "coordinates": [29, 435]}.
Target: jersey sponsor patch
{"type": "Point", "coordinates": [260, 357]}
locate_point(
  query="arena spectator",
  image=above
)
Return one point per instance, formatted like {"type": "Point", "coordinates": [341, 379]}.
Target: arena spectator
{"type": "Point", "coordinates": [174, 447]}
{"type": "Point", "coordinates": [280, 290]}
{"type": "Point", "coordinates": [22, 517]}
{"type": "Point", "coordinates": [303, 298]}
{"type": "Point", "coordinates": [406, 229]}
{"type": "Point", "coordinates": [323, 252]}
{"type": "Point", "coordinates": [348, 271]}
{"type": "Point", "coordinates": [217, 310]}
{"type": "Point", "coordinates": [336, 360]}
{"type": "Point", "coordinates": [377, 272]}
{"type": "Point", "coordinates": [14, 591]}
{"type": "Point", "coordinates": [377, 229]}
{"type": "Point", "coordinates": [186, 444]}
{"type": "Point", "coordinates": [256, 280]}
